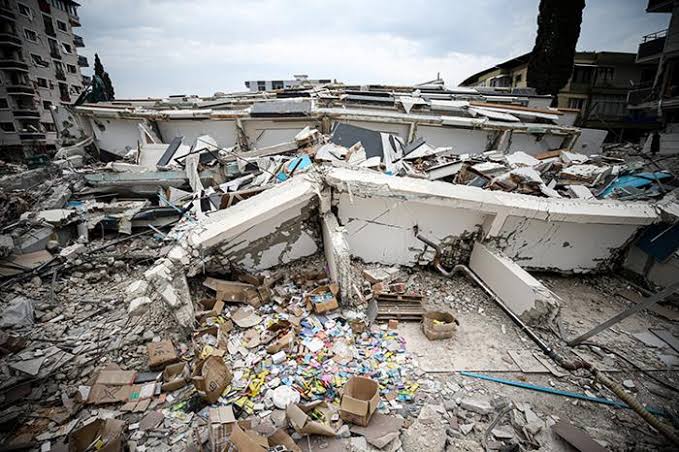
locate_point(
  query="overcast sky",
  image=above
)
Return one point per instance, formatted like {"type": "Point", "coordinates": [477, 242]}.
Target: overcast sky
{"type": "Point", "coordinates": [162, 47]}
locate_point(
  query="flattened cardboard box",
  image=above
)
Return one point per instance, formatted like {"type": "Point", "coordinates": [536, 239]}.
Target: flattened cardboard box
{"type": "Point", "coordinates": [211, 377]}
{"type": "Point", "coordinates": [248, 441]}
{"type": "Point", "coordinates": [100, 435]}
{"type": "Point", "coordinates": [360, 398]}
{"type": "Point", "coordinates": [161, 354]}
{"type": "Point", "coordinates": [302, 423]}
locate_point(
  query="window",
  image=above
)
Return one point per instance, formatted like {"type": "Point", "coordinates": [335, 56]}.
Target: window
{"type": "Point", "coordinates": [39, 61]}
{"type": "Point", "coordinates": [7, 127]}
{"type": "Point", "coordinates": [71, 69]}
{"type": "Point", "coordinates": [604, 74]}
{"type": "Point", "coordinates": [75, 89]}
{"type": "Point", "coordinates": [49, 126]}
{"type": "Point", "coordinates": [67, 48]}
{"type": "Point", "coordinates": [30, 35]}
{"type": "Point", "coordinates": [46, 104]}
{"type": "Point", "coordinates": [277, 84]}
{"type": "Point", "coordinates": [582, 74]}
{"type": "Point", "coordinates": [25, 10]}
{"type": "Point", "coordinates": [576, 103]}
{"type": "Point", "coordinates": [42, 82]}
{"type": "Point", "coordinates": [261, 86]}
{"type": "Point", "coordinates": [62, 26]}
{"type": "Point", "coordinates": [3, 104]}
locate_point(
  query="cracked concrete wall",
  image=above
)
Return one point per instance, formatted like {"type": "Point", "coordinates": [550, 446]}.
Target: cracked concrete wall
{"type": "Point", "coordinates": [566, 247]}
{"type": "Point", "coordinates": [564, 235]}
{"type": "Point", "coordinates": [271, 228]}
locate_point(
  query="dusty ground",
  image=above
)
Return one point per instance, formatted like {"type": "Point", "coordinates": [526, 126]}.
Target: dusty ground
{"type": "Point", "coordinates": [83, 313]}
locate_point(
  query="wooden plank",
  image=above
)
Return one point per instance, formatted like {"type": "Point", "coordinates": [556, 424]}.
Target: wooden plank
{"type": "Point", "coordinates": [577, 438]}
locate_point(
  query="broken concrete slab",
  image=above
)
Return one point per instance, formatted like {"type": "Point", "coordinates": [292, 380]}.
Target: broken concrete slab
{"type": "Point", "coordinates": [426, 433]}
{"type": "Point", "coordinates": [519, 291]}
{"type": "Point", "coordinates": [337, 254]}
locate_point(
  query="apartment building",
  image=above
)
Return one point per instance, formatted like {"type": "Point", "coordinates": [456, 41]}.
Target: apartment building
{"type": "Point", "coordinates": [597, 89]}
{"type": "Point", "coordinates": [659, 91]}
{"type": "Point", "coordinates": [39, 67]}
{"type": "Point", "coordinates": [301, 80]}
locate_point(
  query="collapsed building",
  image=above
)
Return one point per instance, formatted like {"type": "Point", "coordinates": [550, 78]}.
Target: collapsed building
{"type": "Point", "coordinates": [391, 179]}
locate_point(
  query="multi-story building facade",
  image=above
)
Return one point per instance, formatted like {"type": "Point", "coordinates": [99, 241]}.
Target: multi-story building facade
{"type": "Point", "coordinates": [597, 89]}
{"type": "Point", "coordinates": [659, 92]}
{"type": "Point", "coordinates": [270, 85]}
{"type": "Point", "coordinates": [39, 67]}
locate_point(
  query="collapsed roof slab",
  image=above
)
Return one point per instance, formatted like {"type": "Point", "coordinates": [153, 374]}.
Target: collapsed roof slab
{"type": "Point", "coordinates": [381, 214]}
{"type": "Point", "coordinates": [272, 228]}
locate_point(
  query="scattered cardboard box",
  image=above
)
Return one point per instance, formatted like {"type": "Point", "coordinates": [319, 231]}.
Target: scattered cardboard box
{"type": "Point", "coordinates": [220, 422]}
{"type": "Point", "coordinates": [248, 441]}
{"type": "Point", "coordinates": [234, 292]}
{"type": "Point", "coordinates": [281, 343]}
{"type": "Point", "coordinates": [246, 317]}
{"type": "Point", "coordinates": [359, 400]}
{"type": "Point", "coordinates": [303, 424]}
{"type": "Point", "coordinates": [281, 438]}
{"type": "Point", "coordinates": [322, 299]}
{"type": "Point", "coordinates": [161, 354]}
{"type": "Point", "coordinates": [100, 435]}
{"type": "Point", "coordinates": [175, 376]}
{"type": "Point", "coordinates": [210, 377]}
{"type": "Point", "coordinates": [116, 377]}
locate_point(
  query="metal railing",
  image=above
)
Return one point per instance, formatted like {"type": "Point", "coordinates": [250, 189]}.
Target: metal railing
{"type": "Point", "coordinates": [656, 35]}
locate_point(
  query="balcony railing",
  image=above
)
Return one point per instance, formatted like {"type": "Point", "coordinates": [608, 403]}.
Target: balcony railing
{"type": "Point", "coordinates": [659, 6]}
{"type": "Point", "coordinates": [60, 75]}
{"type": "Point", "coordinates": [44, 6]}
{"type": "Point", "coordinates": [30, 136]}
{"type": "Point", "coordinates": [54, 53]}
{"type": "Point", "coordinates": [65, 98]}
{"type": "Point", "coordinates": [78, 41]}
{"type": "Point", "coordinates": [10, 38]}
{"type": "Point", "coordinates": [651, 45]}
{"type": "Point", "coordinates": [74, 19]}
{"type": "Point", "coordinates": [32, 112]}
{"type": "Point", "coordinates": [82, 61]}
{"type": "Point", "coordinates": [20, 89]}
{"type": "Point", "coordinates": [14, 64]}
{"type": "Point", "coordinates": [7, 13]}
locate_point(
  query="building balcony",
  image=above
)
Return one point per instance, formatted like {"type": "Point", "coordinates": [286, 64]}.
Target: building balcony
{"type": "Point", "coordinates": [651, 47]}
{"type": "Point", "coordinates": [659, 6]}
{"type": "Point", "coordinates": [82, 61]}
{"type": "Point", "coordinates": [7, 13]}
{"type": "Point", "coordinates": [27, 112]}
{"type": "Point", "coordinates": [78, 41]}
{"type": "Point", "coordinates": [20, 90]}
{"type": "Point", "coordinates": [14, 64]}
{"type": "Point", "coordinates": [10, 39]}
{"type": "Point", "coordinates": [65, 98]}
{"type": "Point", "coordinates": [60, 75]}
{"type": "Point", "coordinates": [74, 19]}
{"type": "Point", "coordinates": [31, 136]}
{"type": "Point", "coordinates": [44, 6]}
{"type": "Point", "coordinates": [640, 95]}
{"type": "Point", "coordinates": [55, 54]}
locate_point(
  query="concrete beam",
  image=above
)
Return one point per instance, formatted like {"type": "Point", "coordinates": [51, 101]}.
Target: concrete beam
{"type": "Point", "coordinates": [380, 213]}
{"type": "Point", "coordinates": [337, 254]}
{"type": "Point", "coordinates": [527, 297]}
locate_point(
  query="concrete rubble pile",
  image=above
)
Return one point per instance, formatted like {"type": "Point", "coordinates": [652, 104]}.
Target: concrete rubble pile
{"type": "Point", "coordinates": [327, 279]}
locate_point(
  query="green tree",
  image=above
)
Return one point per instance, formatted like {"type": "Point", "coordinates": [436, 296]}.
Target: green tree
{"type": "Point", "coordinates": [551, 61]}
{"type": "Point", "coordinates": [104, 77]}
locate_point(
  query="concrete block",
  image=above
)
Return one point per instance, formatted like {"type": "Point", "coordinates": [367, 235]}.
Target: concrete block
{"type": "Point", "coordinates": [477, 405]}
{"type": "Point", "coordinates": [337, 254]}
{"type": "Point", "coordinates": [523, 294]}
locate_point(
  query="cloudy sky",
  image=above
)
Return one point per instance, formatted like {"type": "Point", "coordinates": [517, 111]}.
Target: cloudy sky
{"type": "Point", "coordinates": [162, 47]}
